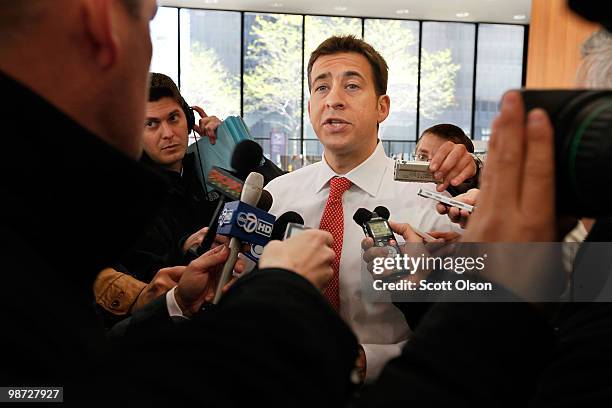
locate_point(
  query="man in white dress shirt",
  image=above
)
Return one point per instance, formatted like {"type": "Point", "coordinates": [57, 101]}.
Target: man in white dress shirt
{"type": "Point", "coordinates": [348, 82]}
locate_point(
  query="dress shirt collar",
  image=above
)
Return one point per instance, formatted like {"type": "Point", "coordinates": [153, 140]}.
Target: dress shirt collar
{"type": "Point", "coordinates": [367, 176]}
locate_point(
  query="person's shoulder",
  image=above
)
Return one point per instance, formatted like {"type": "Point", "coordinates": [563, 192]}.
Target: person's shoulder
{"type": "Point", "coordinates": [294, 178]}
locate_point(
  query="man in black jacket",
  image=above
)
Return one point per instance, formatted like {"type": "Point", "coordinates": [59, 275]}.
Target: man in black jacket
{"type": "Point", "coordinates": [188, 207]}
{"type": "Point", "coordinates": [75, 198]}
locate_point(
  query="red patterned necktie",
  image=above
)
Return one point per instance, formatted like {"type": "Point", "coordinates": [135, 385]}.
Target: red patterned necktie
{"type": "Point", "coordinates": [333, 221]}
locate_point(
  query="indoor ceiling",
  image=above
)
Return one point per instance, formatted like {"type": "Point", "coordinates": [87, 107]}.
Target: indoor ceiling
{"type": "Point", "coordinates": [492, 11]}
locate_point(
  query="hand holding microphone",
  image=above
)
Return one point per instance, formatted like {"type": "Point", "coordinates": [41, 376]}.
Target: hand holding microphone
{"type": "Point", "coordinates": [199, 280]}
{"type": "Point", "coordinates": [243, 222]}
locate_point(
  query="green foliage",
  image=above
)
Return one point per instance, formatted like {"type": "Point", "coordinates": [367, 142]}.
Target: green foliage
{"type": "Point", "coordinates": [396, 43]}
{"type": "Point", "coordinates": [437, 82]}
{"type": "Point", "coordinates": [272, 84]}
{"type": "Point", "coordinates": [207, 83]}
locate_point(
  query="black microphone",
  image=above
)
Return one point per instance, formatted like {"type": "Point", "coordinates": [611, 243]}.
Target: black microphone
{"type": "Point", "coordinates": [251, 257]}
{"type": "Point", "coordinates": [280, 226]}
{"type": "Point", "coordinates": [382, 212]}
{"type": "Point", "coordinates": [246, 157]}
{"type": "Point", "coordinates": [265, 201]}
{"type": "Point", "coordinates": [361, 217]}
{"type": "Point", "coordinates": [376, 227]}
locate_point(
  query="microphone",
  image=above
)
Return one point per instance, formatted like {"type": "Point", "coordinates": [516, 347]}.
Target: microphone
{"type": "Point", "coordinates": [376, 226]}
{"type": "Point", "coordinates": [284, 222]}
{"type": "Point", "coordinates": [246, 156]}
{"type": "Point", "coordinates": [382, 212]}
{"type": "Point", "coordinates": [255, 251]}
{"type": "Point", "coordinates": [244, 223]}
{"type": "Point", "coordinates": [288, 220]}
{"type": "Point", "coordinates": [361, 217]}
{"type": "Point", "coordinates": [265, 201]}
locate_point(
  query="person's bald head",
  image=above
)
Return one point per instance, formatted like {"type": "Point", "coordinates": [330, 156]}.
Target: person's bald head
{"type": "Point", "coordinates": [18, 15]}
{"type": "Point", "coordinates": [89, 58]}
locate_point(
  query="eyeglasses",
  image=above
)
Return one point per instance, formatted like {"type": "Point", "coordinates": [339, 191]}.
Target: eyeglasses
{"type": "Point", "coordinates": [419, 157]}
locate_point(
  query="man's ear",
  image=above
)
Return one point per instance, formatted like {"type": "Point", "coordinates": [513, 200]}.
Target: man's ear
{"type": "Point", "coordinates": [384, 104]}
{"type": "Point", "coordinates": [100, 31]}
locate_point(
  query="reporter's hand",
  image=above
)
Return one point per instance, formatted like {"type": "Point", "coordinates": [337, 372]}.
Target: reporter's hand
{"type": "Point", "coordinates": [164, 280]}
{"type": "Point", "coordinates": [207, 125]}
{"type": "Point", "coordinates": [194, 239]}
{"type": "Point", "coordinates": [308, 254]}
{"type": "Point", "coordinates": [516, 202]}
{"type": "Point", "coordinates": [458, 215]}
{"type": "Point", "coordinates": [447, 236]}
{"type": "Point", "coordinates": [452, 164]}
{"type": "Point", "coordinates": [199, 280]}
{"type": "Point", "coordinates": [414, 245]}
{"type": "Point", "coordinates": [516, 199]}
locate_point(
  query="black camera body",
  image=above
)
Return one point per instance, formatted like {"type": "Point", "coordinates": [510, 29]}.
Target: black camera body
{"type": "Point", "coordinates": [582, 120]}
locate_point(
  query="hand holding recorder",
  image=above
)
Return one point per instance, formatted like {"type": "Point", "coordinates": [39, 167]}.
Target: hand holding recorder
{"type": "Point", "coordinates": [459, 214]}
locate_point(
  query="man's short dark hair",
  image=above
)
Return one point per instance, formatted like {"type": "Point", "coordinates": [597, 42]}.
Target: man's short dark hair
{"type": "Point", "coordinates": [162, 86]}
{"type": "Point", "coordinates": [452, 133]}
{"type": "Point", "coordinates": [348, 43]}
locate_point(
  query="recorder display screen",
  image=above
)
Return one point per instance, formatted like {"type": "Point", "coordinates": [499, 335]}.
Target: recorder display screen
{"type": "Point", "coordinates": [379, 229]}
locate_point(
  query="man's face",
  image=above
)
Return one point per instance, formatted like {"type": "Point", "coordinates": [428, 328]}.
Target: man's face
{"type": "Point", "coordinates": [428, 146]}
{"type": "Point", "coordinates": [165, 133]}
{"type": "Point", "coordinates": [344, 109]}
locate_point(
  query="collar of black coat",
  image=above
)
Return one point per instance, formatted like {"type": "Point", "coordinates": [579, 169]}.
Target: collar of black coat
{"type": "Point", "coordinates": [75, 200]}
{"type": "Point", "coordinates": [177, 182]}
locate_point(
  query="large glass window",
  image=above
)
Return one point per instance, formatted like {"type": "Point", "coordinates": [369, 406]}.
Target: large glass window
{"type": "Point", "coordinates": [499, 67]}
{"type": "Point", "coordinates": [275, 54]}
{"type": "Point", "coordinates": [164, 36]}
{"type": "Point", "coordinates": [398, 41]}
{"type": "Point", "coordinates": [447, 74]}
{"type": "Point", "coordinates": [210, 61]}
{"type": "Point", "coordinates": [272, 83]}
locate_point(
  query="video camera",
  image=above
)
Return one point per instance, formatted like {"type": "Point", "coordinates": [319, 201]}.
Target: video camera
{"type": "Point", "coordinates": [582, 120]}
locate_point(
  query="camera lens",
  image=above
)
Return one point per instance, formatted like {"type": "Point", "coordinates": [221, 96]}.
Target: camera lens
{"type": "Point", "coordinates": [586, 155]}
{"type": "Point", "coordinates": [583, 148]}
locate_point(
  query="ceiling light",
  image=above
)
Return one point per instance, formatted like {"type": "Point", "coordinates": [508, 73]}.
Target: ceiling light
{"type": "Point", "coordinates": [277, 4]}
{"type": "Point", "coordinates": [211, 1]}
{"type": "Point", "coordinates": [340, 8]}
{"type": "Point", "coordinates": [519, 17]}
{"type": "Point", "coordinates": [402, 11]}
{"type": "Point", "coordinates": [463, 14]}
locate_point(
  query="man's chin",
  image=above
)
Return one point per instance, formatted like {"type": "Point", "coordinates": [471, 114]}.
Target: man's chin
{"type": "Point", "coordinates": [339, 147]}
{"type": "Point", "coordinates": [168, 160]}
